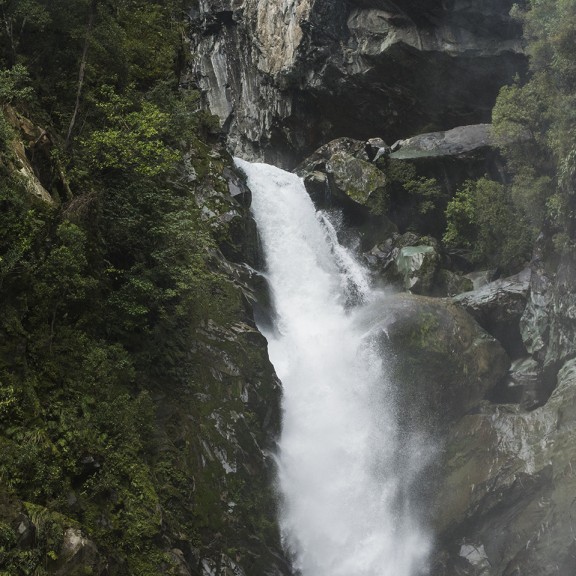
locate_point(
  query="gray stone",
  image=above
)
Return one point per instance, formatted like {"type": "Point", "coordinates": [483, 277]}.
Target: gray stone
{"type": "Point", "coordinates": [460, 142]}
{"type": "Point", "coordinates": [418, 266]}
{"type": "Point", "coordinates": [548, 325]}
{"type": "Point", "coordinates": [509, 487]}
{"type": "Point", "coordinates": [414, 263]}
{"type": "Point", "coordinates": [375, 148]}
{"type": "Point", "coordinates": [523, 384]}
{"type": "Point", "coordinates": [78, 555]}
{"type": "Point", "coordinates": [498, 307]}
{"type": "Point", "coordinates": [285, 76]}
{"type": "Point", "coordinates": [339, 175]}
{"type": "Point", "coordinates": [480, 278]}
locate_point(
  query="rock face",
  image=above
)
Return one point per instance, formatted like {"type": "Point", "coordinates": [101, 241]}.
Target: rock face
{"type": "Point", "coordinates": [506, 505]}
{"type": "Point", "coordinates": [33, 141]}
{"type": "Point", "coordinates": [285, 76]}
{"type": "Point", "coordinates": [548, 326]}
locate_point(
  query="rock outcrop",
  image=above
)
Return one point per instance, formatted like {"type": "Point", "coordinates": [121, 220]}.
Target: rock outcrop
{"type": "Point", "coordinates": [31, 158]}
{"type": "Point", "coordinates": [460, 142]}
{"type": "Point", "coordinates": [283, 77]}
{"type": "Point", "coordinates": [506, 504]}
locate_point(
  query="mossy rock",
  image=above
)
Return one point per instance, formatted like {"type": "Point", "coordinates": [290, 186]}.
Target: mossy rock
{"type": "Point", "coordinates": [357, 179]}
{"type": "Point", "coordinates": [442, 362]}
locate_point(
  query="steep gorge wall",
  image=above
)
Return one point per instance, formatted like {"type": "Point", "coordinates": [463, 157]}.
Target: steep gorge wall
{"type": "Point", "coordinates": [285, 77]}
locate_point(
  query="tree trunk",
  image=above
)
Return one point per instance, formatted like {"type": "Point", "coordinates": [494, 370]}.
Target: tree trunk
{"type": "Point", "coordinates": [82, 71]}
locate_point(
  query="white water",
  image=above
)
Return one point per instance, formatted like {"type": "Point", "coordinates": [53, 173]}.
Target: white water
{"type": "Point", "coordinates": [344, 508]}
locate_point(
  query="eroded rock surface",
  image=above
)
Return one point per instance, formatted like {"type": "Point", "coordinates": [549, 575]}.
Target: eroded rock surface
{"type": "Point", "coordinates": [288, 75]}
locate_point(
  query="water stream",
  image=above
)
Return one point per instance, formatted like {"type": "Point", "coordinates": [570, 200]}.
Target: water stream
{"type": "Point", "coordinates": [344, 509]}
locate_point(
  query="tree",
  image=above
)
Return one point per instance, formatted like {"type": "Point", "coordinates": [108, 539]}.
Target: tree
{"type": "Point", "coordinates": [483, 222]}
{"type": "Point", "coordinates": [18, 16]}
{"type": "Point", "coordinates": [132, 137]}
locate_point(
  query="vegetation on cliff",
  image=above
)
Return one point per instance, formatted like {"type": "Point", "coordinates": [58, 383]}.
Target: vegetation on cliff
{"type": "Point", "coordinates": [134, 393]}
{"type": "Point", "coordinates": [533, 123]}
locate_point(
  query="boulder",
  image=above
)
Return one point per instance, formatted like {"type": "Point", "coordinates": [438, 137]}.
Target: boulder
{"type": "Point", "coordinates": [418, 266]}
{"type": "Point", "coordinates": [498, 307]}
{"type": "Point", "coordinates": [452, 156]}
{"type": "Point", "coordinates": [339, 175]}
{"type": "Point", "coordinates": [506, 505]}
{"type": "Point", "coordinates": [441, 359]}
{"type": "Point", "coordinates": [357, 179]}
{"type": "Point", "coordinates": [347, 173]}
{"type": "Point", "coordinates": [414, 263]}
{"type": "Point", "coordinates": [460, 142]}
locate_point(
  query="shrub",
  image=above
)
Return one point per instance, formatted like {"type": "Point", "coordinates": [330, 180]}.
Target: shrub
{"type": "Point", "coordinates": [483, 222]}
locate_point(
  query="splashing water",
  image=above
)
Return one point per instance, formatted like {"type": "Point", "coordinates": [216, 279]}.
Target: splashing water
{"type": "Point", "coordinates": [344, 511]}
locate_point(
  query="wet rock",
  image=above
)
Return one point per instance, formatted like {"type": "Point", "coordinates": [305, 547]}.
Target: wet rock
{"type": "Point", "coordinates": [347, 173]}
{"type": "Point", "coordinates": [454, 283]}
{"type": "Point", "coordinates": [357, 179]}
{"type": "Point", "coordinates": [498, 307]}
{"type": "Point", "coordinates": [418, 266]}
{"type": "Point", "coordinates": [382, 257]}
{"type": "Point", "coordinates": [509, 486]}
{"type": "Point", "coordinates": [339, 175]}
{"type": "Point", "coordinates": [443, 359]}
{"type": "Point", "coordinates": [480, 278]}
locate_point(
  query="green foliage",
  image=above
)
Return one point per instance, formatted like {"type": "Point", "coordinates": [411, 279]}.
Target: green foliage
{"type": "Point", "coordinates": [533, 121]}
{"type": "Point", "coordinates": [20, 17]}
{"type": "Point", "coordinates": [416, 202]}
{"type": "Point", "coordinates": [483, 222]}
{"type": "Point", "coordinates": [131, 139]}
{"type": "Point", "coordinates": [14, 85]}
{"type": "Point", "coordinates": [14, 88]}
{"type": "Point", "coordinates": [110, 372]}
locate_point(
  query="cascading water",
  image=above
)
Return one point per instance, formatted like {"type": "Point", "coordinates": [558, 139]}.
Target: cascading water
{"type": "Point", "coordinates": [344, 510]}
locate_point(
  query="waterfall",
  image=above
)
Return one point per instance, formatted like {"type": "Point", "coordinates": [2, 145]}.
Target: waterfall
{"type": "Point", "coordinates": [342, 466]}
